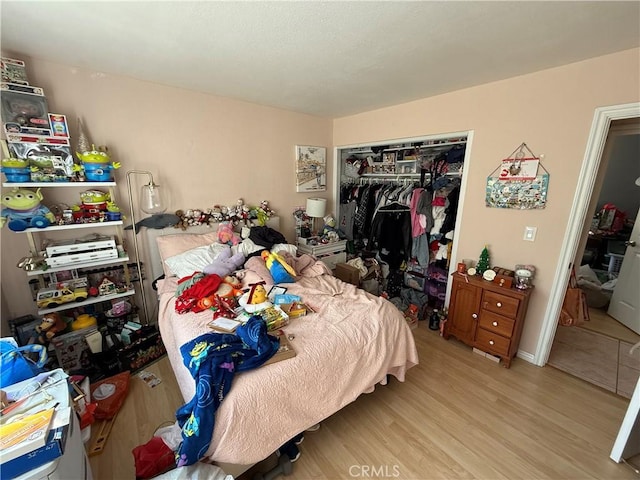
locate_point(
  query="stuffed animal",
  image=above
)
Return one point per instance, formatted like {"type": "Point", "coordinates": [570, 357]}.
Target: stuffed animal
{"type": "Point", "coordinates": [280, 270]}
{"type": "Point", "coordinates": [51, 325]}
{"type": "Point", "coordinates": [23, 210]}
{"type": "Point", "coordinates": [225, 263]}
{"type": "Point", "coordinates": [329, 232]}
{"type": "Point", "coordinates": [182, 223]}
{"type": "Point", "coordinates": [227, 235]}
{"type": "Point", "coordinates": [230, 287]}
{"type": "Point", "coordinates": [264, 212]}
{"type": "Point", "coordinates": [257, 294]}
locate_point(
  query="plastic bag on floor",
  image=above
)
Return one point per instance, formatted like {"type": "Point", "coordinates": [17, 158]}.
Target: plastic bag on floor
{"type": "Point", "coordinates": [171, 434]}
{"type": "Point", "coordinates": [196, 471]}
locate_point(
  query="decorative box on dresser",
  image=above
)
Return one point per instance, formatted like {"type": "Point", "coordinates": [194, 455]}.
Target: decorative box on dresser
{"type": "Point", "coordinates": [486, 316]}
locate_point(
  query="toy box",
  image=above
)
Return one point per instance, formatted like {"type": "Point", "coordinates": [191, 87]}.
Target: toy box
{"type": "Point", "coordinates": [72, 350]}
{"type": "Point", "coordinates": [13, 71]}
{"type": "Point", "coordinates": [24, 110]}
{"type": "Point", "coordinates": [50, 158]}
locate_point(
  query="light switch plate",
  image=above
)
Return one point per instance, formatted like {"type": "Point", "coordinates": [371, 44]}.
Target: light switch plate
{"type": "Point", "coordinates": [530, 233]}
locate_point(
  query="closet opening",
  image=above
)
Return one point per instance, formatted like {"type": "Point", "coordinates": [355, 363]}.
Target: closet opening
{"type": "Point", "coordinates": [398, 204]}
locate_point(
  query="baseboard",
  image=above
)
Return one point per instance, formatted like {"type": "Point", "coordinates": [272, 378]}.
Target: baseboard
{"type": "Point", "coordinates": [526, 356]}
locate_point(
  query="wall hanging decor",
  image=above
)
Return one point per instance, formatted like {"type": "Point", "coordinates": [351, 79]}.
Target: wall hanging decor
{"type": "Point", "coordinates": [520, 181]}
{"type": "Point", "coordinates": [311, 169]}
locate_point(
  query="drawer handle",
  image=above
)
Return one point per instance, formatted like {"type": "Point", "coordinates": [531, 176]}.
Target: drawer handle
{"type": "Point", "coordinates": [491, 342]}
{"type": "Point", "coordinates": [499, 304]}
{"type": "Point", "coordinates": [495, 324]}
{"type": "Point", "coordinates": [474, 315]}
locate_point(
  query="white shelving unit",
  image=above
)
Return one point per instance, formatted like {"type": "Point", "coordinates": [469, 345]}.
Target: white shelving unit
{"type": "Point", "coordinates": [35, 235]}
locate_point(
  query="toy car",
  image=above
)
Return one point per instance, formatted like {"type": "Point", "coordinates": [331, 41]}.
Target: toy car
{"type": "Point", "coordinates": [54, 297]}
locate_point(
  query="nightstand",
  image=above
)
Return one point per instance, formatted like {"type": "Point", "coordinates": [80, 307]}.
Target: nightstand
{"type": "Point", "coordinates": [329, 253]}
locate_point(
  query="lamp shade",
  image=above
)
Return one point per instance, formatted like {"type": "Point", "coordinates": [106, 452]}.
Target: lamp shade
{"type": "Point", "coordinates": [152, 199]}
{"type": "Point", "coordinates": [316, 207]}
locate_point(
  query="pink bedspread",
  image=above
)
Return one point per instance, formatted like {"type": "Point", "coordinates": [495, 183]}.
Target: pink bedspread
{"type": "Point", "coordinates": [353, 341]}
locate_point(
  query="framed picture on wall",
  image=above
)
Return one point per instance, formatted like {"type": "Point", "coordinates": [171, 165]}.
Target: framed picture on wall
{"type": "Point", "coordinates": [311, 169]}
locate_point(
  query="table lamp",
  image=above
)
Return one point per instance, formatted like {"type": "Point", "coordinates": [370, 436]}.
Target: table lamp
{"type": "Point", "coordinates": [316, 208]}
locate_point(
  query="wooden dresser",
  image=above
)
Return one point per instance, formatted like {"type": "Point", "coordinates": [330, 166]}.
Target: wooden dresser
{"type": "Point", "coordinates": [485, 315]}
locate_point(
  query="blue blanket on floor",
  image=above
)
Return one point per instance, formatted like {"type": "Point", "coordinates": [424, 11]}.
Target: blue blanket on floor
{"type": "Point", "coordinates": [213, 359]}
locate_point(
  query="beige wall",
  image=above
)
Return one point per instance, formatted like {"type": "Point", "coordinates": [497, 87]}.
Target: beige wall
{"type": "Point", "coordinates": [206, 150]}
{"type": "Point", "coordinates": [210, 150]}
{"type": "Point", "coordinates": [552, 112]}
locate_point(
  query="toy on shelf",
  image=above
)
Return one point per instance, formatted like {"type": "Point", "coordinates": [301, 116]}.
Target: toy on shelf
{"type": "Point", "coordinates": [16, 169]}
{"type": "Point", "coordinates": [51, 325]}
{"type": "Point", "coordinates": [96, 163]}
{"type": "Point", "coordinates": [54, 297]}
{"type": "Point", "coordinates": [113, 211]}
{"type": "Point", "coordinates": [96, 206]}
{"type": "Point", "coordinates": [23, 210]}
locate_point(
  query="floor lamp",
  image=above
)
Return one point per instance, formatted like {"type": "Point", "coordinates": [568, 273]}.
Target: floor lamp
{"type": "Point", "coordinates": [152, 202]}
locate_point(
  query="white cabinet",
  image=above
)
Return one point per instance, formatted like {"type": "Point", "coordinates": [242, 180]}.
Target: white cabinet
{"type": "Point", "coordinates": [329, 253]}
{"type": "Point", "coordinates": [68, 233]}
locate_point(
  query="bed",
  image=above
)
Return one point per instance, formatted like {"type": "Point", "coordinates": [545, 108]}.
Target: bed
{"type": "Point", "coordinates": [348, 346]}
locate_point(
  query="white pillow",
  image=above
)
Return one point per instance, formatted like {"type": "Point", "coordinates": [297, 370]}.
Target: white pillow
{"type": "Point", "coordinates": [247, 247]}
{"type": "Point", "coordinates": [285, 247]}
{"type": "Point", "coordinates": [194, 260]}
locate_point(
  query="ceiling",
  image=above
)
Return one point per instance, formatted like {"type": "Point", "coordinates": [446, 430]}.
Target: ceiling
{"type": "Point", "coordinates": [322, 58]}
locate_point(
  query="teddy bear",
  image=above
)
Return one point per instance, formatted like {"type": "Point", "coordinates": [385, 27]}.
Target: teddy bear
{"type": "Point", "coordinates": [227, 235]}
{"type": "Point", "coordinates": [225, 263]}
{"type": "Point", "coordinates": [182, 223]}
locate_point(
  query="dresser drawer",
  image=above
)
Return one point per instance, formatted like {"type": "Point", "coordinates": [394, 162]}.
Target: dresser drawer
{"type": "Point", "coordinates": [496, 323]}
{"type": "Point", "coordinates": [502, 304]}
{"type": "Point", "coordinates": [491, 342]}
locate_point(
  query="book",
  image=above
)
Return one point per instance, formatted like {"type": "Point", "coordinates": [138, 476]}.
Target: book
{"type": "Point", "coordinates": [53, 448]}
{"type": "Point", "coordinates": [25, 434]}
{"type": "Point", "coordinates": [225, 325]}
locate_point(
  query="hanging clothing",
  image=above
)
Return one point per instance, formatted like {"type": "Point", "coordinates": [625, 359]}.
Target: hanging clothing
{"type": "Point", "coordinates": [347, 218]}
{"type": "Point", "coordinates": [391, 234]}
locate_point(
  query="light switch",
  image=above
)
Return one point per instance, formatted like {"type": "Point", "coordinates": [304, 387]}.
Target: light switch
{"type": "Point", "coordinates": [530, 233]}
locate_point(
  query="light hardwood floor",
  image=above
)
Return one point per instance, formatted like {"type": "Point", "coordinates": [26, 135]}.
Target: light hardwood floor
{"type": "Point", "coordinates": [458, 415]}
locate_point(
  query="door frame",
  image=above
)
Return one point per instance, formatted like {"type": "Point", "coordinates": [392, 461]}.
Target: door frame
{"type": "Point", "coordinates": [596, 141]}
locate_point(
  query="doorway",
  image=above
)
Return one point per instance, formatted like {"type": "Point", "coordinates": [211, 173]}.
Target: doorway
{"type": "Point", "coordinates": [607, 259]}
{"type": "Point", "coordinates": [603, 117]}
